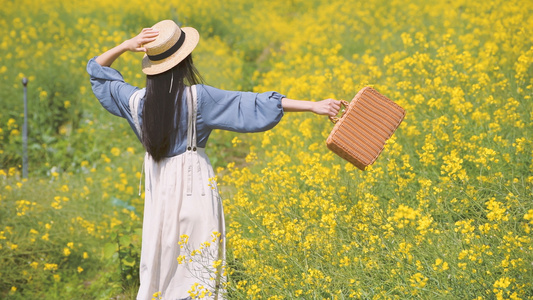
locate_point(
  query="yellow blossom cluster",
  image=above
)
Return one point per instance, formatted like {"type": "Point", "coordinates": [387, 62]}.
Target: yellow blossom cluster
{"type": "Point", "coordinates": [449, 199]}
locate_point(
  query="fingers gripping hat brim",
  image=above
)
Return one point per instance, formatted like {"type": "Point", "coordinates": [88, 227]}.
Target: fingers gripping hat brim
{"type": "Point", "coordinates": [152, 67]}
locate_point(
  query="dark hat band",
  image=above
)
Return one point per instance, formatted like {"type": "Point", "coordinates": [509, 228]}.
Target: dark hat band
{"type": "Point", "coordinates": [170, 50]}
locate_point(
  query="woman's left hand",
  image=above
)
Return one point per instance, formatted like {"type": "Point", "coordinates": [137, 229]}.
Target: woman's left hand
{"type": "Point", "coordinates": [328, 107]}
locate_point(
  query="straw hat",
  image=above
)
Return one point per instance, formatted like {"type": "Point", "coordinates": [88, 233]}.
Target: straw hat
{"type": "Point", "coordinates": [171, 46]}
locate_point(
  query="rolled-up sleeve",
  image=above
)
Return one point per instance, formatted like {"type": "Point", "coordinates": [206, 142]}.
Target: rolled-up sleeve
{"type": "Point", "coordinates": [109, 87]}
{"type": "Point", "coordinates": [239, 111]}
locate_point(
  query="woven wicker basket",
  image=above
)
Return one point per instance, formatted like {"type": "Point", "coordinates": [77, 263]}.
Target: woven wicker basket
{"type": "Point", "coordinates": [360, 133]}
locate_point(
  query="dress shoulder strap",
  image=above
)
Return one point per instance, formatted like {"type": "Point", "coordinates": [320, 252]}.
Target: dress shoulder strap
{"type": "Point", "coordinates": [191, 107]}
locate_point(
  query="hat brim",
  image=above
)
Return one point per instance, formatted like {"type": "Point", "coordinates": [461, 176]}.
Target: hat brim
{"type": "Point", "coordinates": [150, 67]}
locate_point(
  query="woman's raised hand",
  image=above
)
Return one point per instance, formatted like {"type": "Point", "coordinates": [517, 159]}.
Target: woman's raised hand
{"type": "Point", "coordinates": [136, 44]}
{"type": "Point", "coordinates": [328, 107]}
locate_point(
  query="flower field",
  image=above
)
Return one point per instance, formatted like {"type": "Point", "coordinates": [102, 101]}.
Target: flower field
{"type": "Point", "coordinates": [446, 212]}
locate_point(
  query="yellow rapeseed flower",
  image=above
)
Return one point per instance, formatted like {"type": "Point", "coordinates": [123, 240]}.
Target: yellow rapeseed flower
{"type": "Point", "coordinates": [50, 267]}
{"type": "Point", "coordinates": [115, 151]}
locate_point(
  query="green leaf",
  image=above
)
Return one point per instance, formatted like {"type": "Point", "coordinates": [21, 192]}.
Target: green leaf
{"type": "Point", "coordinates": [109, 250]}
{"type": "Point", "coordinates": [128, 263]}
{"type": "Point", "coordinates": [125, 240]}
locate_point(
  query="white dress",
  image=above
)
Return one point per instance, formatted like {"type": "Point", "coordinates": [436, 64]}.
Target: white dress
{"type": "Point", "coordinates": [183, 228]}
{"type": "Point", "coordinates": [181, 256]}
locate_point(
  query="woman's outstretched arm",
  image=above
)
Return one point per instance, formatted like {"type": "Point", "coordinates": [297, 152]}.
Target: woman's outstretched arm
{"type": "Point", "coordinates": [328, 107]}
{"type": "Point", "coordinates": [135, 44]}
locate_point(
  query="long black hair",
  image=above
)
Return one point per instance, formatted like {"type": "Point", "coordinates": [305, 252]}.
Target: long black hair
{"type": "Point", "coordinates": [162, 107]}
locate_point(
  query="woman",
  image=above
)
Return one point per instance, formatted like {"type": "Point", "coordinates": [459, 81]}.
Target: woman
{"type": "Point", "coordinates": [183, 228]}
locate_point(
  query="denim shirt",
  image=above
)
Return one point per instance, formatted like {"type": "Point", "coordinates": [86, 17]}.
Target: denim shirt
{"type": "Point", "coordinates": [217, 109]}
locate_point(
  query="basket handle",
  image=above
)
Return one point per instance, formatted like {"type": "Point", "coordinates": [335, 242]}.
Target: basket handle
{"type": "Point", "coordinates": [335, 119]}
